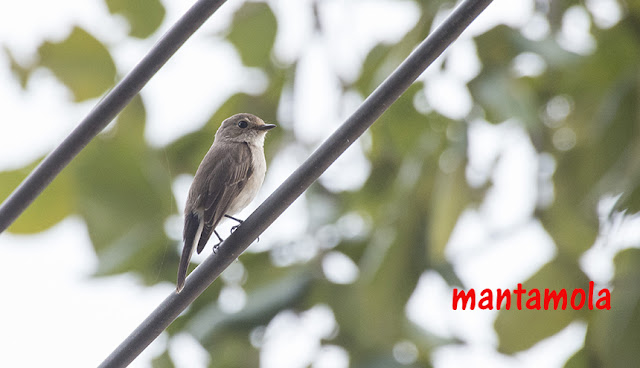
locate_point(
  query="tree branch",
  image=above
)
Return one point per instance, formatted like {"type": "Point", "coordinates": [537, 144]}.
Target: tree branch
{"type": "Point", "coordinates": [105, 111]}
{"type": "Point", "coordinates": [388, 92]}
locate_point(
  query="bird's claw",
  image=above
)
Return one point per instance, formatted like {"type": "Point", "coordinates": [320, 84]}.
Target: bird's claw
{"type": "Point", "coordinates": [234, 228]}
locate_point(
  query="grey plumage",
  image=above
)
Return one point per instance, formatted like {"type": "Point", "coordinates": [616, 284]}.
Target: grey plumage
{"type": "Point", "coordinates": [227, 180]}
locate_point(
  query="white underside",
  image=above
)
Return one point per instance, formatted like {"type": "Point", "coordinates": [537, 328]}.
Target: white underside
{"type": "Point", "coordinates": [254, 183]}
{"type": "Point", "coordinates": [194, 245]}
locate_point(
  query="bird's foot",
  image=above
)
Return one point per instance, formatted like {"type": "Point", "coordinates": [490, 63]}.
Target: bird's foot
{"type": "Point", "coordinates": [234, 219]}
{"type": "Point", "coordinates": [234, 228]}
{"type": "Point", "coordinates": [215, 247]}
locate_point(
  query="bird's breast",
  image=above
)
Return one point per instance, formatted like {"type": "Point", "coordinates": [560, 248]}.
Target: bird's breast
{"type": "Point", "coordinates": [253, 184]}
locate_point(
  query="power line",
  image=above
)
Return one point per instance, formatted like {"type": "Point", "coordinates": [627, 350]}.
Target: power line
{"type": "Point", "coordinates": [387, 93]}
{"type": "Point", "coordinates": [105, 111]}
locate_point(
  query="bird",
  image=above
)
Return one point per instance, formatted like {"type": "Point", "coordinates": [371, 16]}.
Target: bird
{"type": "Point", "coordinates": [227, 180]}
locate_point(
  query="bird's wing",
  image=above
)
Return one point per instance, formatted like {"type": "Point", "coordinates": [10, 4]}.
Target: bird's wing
{"type": "Point", "coordinates": [225, 182]}
{"type": "Point", "coordinates": [227, 169]}
{"type": "Point", "coordinates": [193, 227]}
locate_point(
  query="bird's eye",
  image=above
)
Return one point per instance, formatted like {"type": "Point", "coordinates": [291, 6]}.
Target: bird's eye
{"type": "Point", "coordinates": [243, 124]}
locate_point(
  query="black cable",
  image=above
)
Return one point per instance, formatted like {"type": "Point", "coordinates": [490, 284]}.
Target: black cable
{"type": "Point", "coordinates": [105, 111]}
{"type": "Point", "coordinates": [298, 182]}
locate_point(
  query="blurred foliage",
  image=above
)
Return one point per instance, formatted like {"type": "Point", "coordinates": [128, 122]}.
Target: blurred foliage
{"type": "Point", "coordinates": [81, 62]}
{"type": "Point", "coordinates": [413, 197]}
{"type": "Point", "coordinates": [510, 324]}
{"type": "Point", "coordinates": [257, 23]}
{"type": "Point", "coordinates": [144, 16]}
{"type": "Point", "coordinates": [54, 204]}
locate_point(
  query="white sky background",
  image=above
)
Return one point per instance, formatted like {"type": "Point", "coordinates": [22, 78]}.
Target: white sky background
{"type": "Point", "coordinates": [53, 315]}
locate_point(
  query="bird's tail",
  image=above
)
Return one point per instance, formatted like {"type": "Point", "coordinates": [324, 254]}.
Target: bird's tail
{"type": "Point", "coordinates": [193, 225]}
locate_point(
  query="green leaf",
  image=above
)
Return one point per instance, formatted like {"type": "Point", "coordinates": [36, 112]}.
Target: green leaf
{"type": "Point", "coordinates": [375, 68]}
{"type": "Point", "coordinates": [371, 311]}
{"type": "Point", "coordinates": [55, 203]}
{"type": "Point", "coordinates": [574, 227]}
{"type": "Point", "coordinates": [630, 200]}
{"type": "Point", "coordinates": [263, 303]}
{"type": "Point", "coordinates": [504, 97]}
{"type": "Point", "coordinates": [613, 335]}
{"type": "Point", "coordinates": [81, 62]}
{"type": "Point", "coordinates": [131, 121]}
{"type": "Point", "coordinates": [144, 16]}
{"type": "Point", "coordinates": [578, 360]}
{"type": "Point", "coordinates": [253, 33]}
{"type": "Point", "coordinates": [606, 143]}
{"type": "Point", "coordinates": [633, 7]}
{"type": "Point", "coordinates": [401, 128]}
{"type": "Point", "coordinates": [21, 72]}
{"type": "Point", "coordinates": [500, 94]}
{"type": "Point", "coordinates": [124, 194]}
{"type": "Point", "coordinates": [233, 351]}
{"type": "Point", "coordinates": [449, 198]}
{"type": "Point", "coordinates": [386, 359]}
{"type": "Point", "coordinates": [521, 329]}
{"type": "Point", "coordinates": [162, 361]}
{"type": "Point", "coordinates": [401, 133]}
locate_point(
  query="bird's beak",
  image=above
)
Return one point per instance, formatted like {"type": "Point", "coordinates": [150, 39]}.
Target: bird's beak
{"type": "Point", "coordinates": [265, 127]}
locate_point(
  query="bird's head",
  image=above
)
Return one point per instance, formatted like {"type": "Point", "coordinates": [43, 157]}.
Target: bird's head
{"type": "Point", "coordinates": [243, 127]}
